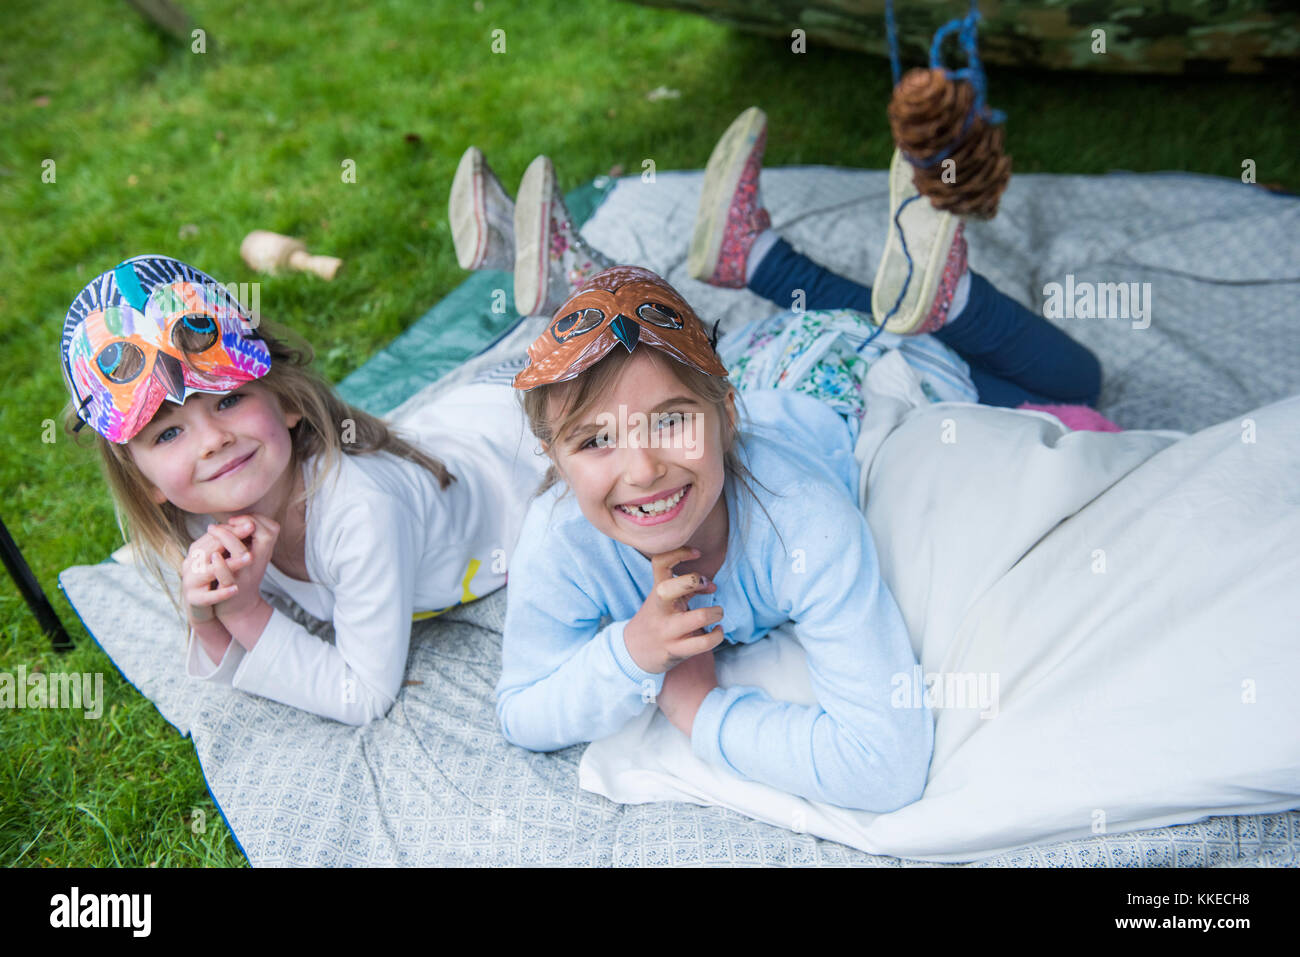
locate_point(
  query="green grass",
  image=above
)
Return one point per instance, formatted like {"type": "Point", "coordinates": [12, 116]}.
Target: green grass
{"type": "Point", "coordinates": [148, 137]}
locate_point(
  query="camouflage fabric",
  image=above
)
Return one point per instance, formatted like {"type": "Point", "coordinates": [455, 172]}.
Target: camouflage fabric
{"type": "Point", "coordinates": [1172, 36]}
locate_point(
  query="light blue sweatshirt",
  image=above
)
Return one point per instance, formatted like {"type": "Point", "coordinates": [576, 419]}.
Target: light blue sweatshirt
{"type": "Point", "coordinates": [568, 677]}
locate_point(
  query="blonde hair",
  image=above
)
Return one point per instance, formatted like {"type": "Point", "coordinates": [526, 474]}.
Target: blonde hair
{"type": "Point", "coordinates": [575, 396]}
{"type": "Point", "coordinates": [160, 532]}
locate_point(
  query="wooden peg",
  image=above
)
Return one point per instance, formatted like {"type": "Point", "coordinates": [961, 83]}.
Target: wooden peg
{"type": "Point", "coordinates": [269, 252]}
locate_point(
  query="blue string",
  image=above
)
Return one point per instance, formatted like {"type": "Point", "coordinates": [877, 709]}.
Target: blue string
{"type": "Point", "coordinates": [906, 282]}
{"type": "Point", "coordinates": [891, 31]}
{"type": "Point", "coordinates": [866, 342]}
{"type": "Point", "coordinates": [972, 73]}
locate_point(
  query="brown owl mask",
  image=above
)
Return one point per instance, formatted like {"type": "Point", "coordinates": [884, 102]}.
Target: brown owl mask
{"type": "Point", "coordinates": [622, 304]}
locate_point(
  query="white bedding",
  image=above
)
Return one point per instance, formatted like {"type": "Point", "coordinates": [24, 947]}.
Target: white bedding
{"type": "Point", "coordinates": [1127, 604]}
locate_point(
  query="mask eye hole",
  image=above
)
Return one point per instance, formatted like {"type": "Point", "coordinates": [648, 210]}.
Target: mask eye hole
{"type": "Point", "coordinates": [120, 362]}
{"type": "Point", "coordinates": [194, 332]}
{"type": "Point", "coordinates": [657, 314]}
{"type": "Point", "coordinates": [576, 323]}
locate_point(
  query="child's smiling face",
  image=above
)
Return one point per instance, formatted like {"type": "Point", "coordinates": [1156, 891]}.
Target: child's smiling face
{"type": "Point", "coordinates": [652, 499]}
{"type": "Point", "coordinates": [217, 454]}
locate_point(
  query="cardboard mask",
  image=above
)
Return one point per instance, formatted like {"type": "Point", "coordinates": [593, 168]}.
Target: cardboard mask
{"type": "Point", "coordinates": [154, 328]}
{"type": "Point", "coordinates": [623, 305]}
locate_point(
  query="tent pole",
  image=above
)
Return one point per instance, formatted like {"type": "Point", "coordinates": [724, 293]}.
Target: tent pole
{"type": "Point", "coordinates": [31, 590]}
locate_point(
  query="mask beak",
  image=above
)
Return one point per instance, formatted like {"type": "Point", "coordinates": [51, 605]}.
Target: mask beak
{"type": "Point", "coordinates": [627, 331]}
{"type": "Point", "coordinates": [167, 371]}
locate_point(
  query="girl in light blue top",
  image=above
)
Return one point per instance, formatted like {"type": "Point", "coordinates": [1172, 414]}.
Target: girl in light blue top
{"type": "Point", "coordinates": [671, 522]}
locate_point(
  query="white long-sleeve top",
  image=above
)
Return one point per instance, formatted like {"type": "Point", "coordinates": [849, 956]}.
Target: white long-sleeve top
{"type": "Point", "coordinates": [384, 542]}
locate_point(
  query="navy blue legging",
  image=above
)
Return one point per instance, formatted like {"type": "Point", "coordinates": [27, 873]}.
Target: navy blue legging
{"type": "Point", "coordinates": [1014, 355]}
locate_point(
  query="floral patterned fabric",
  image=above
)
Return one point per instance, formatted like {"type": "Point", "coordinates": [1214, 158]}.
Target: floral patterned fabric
{"type": "Point", "coordinates": [825, 353]}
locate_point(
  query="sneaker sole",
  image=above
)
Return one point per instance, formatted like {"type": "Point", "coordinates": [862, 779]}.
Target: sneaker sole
{"type": "Point", "coordinates": [721, 177]}
{"type": "Point", "coordinates": [467, 210]}
{"type": "Point", "coordinates": [533, 235]}
{"type": "Point", "coordinates": [929, 250]}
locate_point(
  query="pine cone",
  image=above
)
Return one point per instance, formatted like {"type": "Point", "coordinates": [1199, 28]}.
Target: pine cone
{"type": "Point", "coordinates": [926, 114]}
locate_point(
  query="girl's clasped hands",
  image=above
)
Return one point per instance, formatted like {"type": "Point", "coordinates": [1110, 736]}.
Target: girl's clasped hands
{"type": "Point", "coordinates": [221, 579]}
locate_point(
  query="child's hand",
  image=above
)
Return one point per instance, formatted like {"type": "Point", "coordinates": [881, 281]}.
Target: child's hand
{"type": "Point", "coordinates": [239, 563]}
{"type": "Point", "coordinates": [665, 631]}
{"type": "Point", "coordinates": [685, 688]}
{"type": "Point", "coordinates": [202, 585]}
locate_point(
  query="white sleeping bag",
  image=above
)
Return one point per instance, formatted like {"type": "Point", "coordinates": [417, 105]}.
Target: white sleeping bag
{"type": "Point", "coordinates": [1108, 626]}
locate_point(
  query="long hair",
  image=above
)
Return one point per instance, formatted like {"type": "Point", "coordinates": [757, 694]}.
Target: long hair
{"type": "Point", "coordinates": [160, 532]}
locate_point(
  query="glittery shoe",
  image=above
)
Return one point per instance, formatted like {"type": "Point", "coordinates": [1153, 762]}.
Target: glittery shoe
{"type": "Point", "coordinates": [731, 208]}
{"type": "Point", "coordinates": [482, 215]}
{"type": "Point", "coordinates": [550, 257]}
{"type": "Point", "coordinates": [912, 298]}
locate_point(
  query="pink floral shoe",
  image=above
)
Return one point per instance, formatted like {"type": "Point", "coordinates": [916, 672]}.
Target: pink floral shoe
{"type": "Point", "coordinates": [925, 257]}
{"type": "Point", "coordinates": [731, 212]}
{"type": "Point", "coordinates": [550, 257]}
{"type": "Point", "coordinates": [482, 215]}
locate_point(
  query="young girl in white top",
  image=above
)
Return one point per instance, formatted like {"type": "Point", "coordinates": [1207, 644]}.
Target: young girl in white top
{"type": "Point", "coordinates": [234, 464]}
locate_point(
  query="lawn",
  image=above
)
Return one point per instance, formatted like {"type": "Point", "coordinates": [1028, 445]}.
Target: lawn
{"type": "Point", "coordinates": [158, 148]}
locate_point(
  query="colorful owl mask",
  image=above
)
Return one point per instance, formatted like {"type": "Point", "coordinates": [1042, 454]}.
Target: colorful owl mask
{"type": "Point", "coordinates": [154, 328]}
{"type": "Point", "coordinates": [623, 304]}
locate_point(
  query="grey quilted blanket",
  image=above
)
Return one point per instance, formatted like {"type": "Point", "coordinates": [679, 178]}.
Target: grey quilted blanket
{"type": "Point", "coordinates": [435, 783]}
